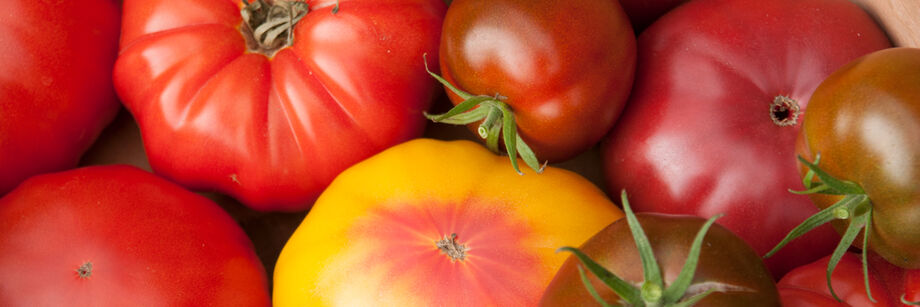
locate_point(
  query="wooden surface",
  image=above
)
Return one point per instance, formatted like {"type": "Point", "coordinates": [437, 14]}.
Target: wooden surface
{"type": "Point", "coordinates": [899, 18]}
{"type": "Point", "coordinates": [121, 142]}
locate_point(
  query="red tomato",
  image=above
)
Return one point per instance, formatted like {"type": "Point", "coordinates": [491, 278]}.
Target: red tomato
{"type": "Point", "coordinates": [564, 67]}
{"type": "Point", "coordinates": [266, 122]}
{"type": "Point", "coordinates": [119, 236]}
{"type": "Point", "coordinates": [898, 281]}
{"type": "Point", "coordinates": [705, 131]}
{"type": "Point", "coordinates": [56, 90]}
{"type": "Point", "coordinates": [807, 285]}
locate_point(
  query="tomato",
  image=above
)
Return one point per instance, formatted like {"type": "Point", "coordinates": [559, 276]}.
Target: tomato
{"type": "Point", "coordinates": [269, 110]}
{"type": "Point", "coordinates": [807, 285]}
{"type": "Point", "coordinates": [434, 223]}
{"type": "Point", "coordinates": [119, 236]}
{"type": "Point", "coordinates": [563, 68]}
{"type": "Point", "coordinates": [864, 121]}
{"type": "Point", "coordinates": [899, 282]}
{"type": "Point", "coordinates": [711, 125]}
{"type": "Point", "coordinates": [56, 91]}
{"type": "Point", "coordinates": [643, 13]}
{"type": "Point", "coordinates": [726, 264]}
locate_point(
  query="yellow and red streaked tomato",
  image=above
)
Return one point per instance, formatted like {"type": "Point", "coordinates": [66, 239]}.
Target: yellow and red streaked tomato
{"type": "Point", "coordinates": [434, 223]}
{"type": "Point", "coordinates": [563, 68]}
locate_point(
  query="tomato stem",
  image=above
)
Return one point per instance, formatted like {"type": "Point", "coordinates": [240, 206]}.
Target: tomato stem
{"type": "Point", "coordinates": [269, 27]}
{"type": "Point", "coordinates": [497, 118]}
{"type": "Point", "coordinates": [855, 207]}
{"type": "Point", "coordinates": [653, 291]}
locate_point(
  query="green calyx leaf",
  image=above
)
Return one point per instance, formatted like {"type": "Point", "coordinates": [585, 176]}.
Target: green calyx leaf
{"type": "Point", "coordinates": [625, 290]}
{"type": "Point", "coordinates": [649, 263]}
{"type": "Point", "coordinates": [835, 186]}
{"type": "Point", "coordinates": [682, 283]}
{"type": "Point", "coordinates": [857, 223]}
{"type": "Point", "coordinates": [653, 291]}
{"type": "Point", "coordinates": [856, 207]}
{"type": "Point", "coordinates": [849, 203]}
{"type": "Point", "coordinates": [497, 119]}
{"type": "Point", "coordinates": [587, 282]}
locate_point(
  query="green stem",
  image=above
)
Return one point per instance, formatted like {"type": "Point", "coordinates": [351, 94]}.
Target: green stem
{"type": "Point", "coordinates": [653, 292]}
{"type": "Point", "coordinates": [822, 217]}
{"type": "Point", "coordinates": [856, 224]}
{"type": "Point", "coordinates": [856, 207]}
{"type": "Point", "coordinates": [497, 119]}
{"type": "Point", "coordinates": [269, 28]}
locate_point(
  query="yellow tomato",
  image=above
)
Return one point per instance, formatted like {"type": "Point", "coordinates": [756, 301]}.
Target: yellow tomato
{"type": "Point", "coordinates": [434, 223]}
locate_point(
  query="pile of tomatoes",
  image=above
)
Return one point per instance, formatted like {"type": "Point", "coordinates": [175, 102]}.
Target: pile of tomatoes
{"type": "Point", "coordinates": [760, 152]}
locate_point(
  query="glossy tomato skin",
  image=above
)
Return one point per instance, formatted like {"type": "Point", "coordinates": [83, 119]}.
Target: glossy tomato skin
{"type": "Point", "coordinates": [274, 131]}
{"type": "Point", "coordinates": [864, 120]}
{"type": "Point", "coordinates": [898, 281]}
{"type": "Point", "coordinates": [566, 67]}
{"type": "Point", "coordinates": [725, 262]}
{"type": "Point", "coordinates": [697, 136]}
{"type": "Point", "coordinates": [56, 91]}
{"type": "Point", "coordinates": [150, 243]}
{"type": "Point", "coordinates": [371, 238]}
{"type": "Point", "coordinates": [807, 285]}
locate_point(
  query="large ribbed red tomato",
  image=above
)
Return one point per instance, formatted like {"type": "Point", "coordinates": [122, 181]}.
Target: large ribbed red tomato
{"type": "Point", "coordinates": [712, 123]}
{"type": "Point", "coordinates": [270, 104]}
{"type": "Point", "coordinates": [56, 91]}
{"type": "Point", "coordinates": [119, 236]}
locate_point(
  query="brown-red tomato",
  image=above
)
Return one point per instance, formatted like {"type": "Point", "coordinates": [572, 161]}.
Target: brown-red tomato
{"type": "Point", "coordinates": [726, 265]}
{"type": "Point", "coordinates": [565, 68]}
{"type": "Point", "coordinates": [864, 122]}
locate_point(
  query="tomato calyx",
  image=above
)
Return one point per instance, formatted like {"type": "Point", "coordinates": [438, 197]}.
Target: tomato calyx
{"type": "Point", "coordinates": [85, 270]}
{"type": "Point", "coordinates": [496, 116]}
{"type": "Point", "coordinates": [453, 249]}
{"type": "Point", "coordinates": [784, 111]}
{"type": "Point", "coordinates": [652, 291]}
{"type": "Point", "coordinates": [856, 207]}
{"type": "Point", "coordinates": [269, 26]}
